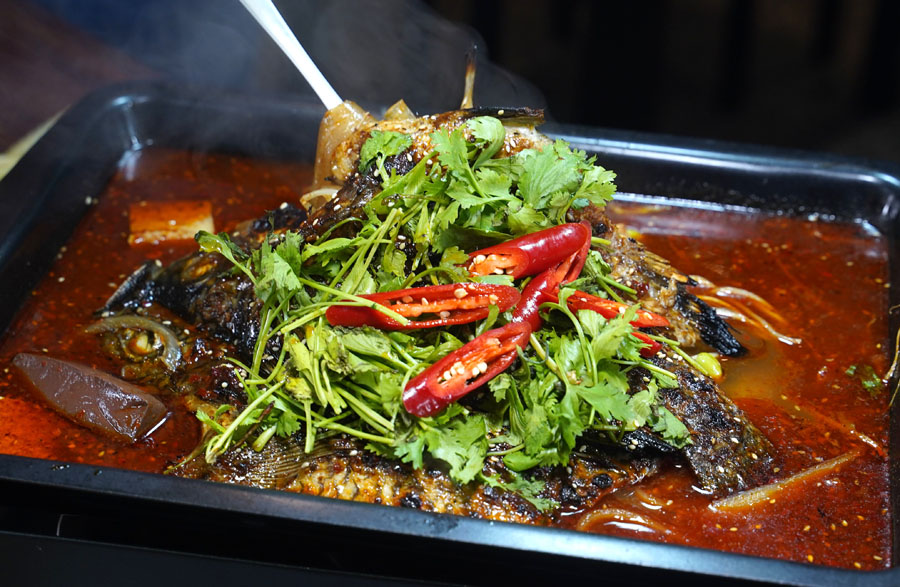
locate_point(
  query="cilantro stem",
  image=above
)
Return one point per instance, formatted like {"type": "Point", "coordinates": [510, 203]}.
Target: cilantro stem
{"type": "Point", "coordinates": [587, 354]}
{"type": "Point", "coordinates": [352, 264]}
{"type": "Point", "coordinates": [411, 362]}
{"type": "Point", "coordinates": [497, 453]}
{"type": "Point", "coordinates": [367, 393]}
{"type": "Point", "coordinates": [358, 433]}
{"type": "Point", "coordinates": [259, 349]}
{"type": "Point", "coordinates": [610, 281]}
{"type": "Point", "coordinates": [298, 322]}
{"type": "Point", "coordinates": [413, 278]}
{"type": "Point", "coordinates": [542, 354]}
{"type": "Point", "coordinates": [609, 291]}
{"type": "Point", "coordinates": [359, 269]}
{"type": "Point", "coordinates": [365, 412]}
{"type": "Point", "coordinates": [690, 360]}
{"type": "Point", "coordinates": [221, 442]}
{"type": "Point", "coordinates": [651, 367]}
{"type": "Point", "coordinates": [310, 429]}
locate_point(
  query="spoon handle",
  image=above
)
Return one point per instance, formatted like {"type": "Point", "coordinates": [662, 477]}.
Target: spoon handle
{"type": "Point", "coordinates": [272, 22]}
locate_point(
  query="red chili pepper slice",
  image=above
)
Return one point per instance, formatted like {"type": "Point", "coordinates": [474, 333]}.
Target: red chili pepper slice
{"type": "Point", "coordinates": [532, 253]}
{"type": "Point", "coordinates": [455, 303]}
{"type": "Point", "coordinates": [611, 308]}
{"type": "Point", "coordinates": [465, 369]}
{"type": "Point", "coordinates": [647, 351]}
{"type": "Point", "coordinates": [545, 287]}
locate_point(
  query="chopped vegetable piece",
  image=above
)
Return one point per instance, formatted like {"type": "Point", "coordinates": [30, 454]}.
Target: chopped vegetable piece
{"type": "Point", "coordinates": [464, 370]}
{"type": "Point", "coordinates": [532, 253]}
{"type": "Point", "coordinates": [93, 398]}
{"type": "Point", "coordinates": [455, 303]}
{"type": "Point", "coordinates": [709, 365]}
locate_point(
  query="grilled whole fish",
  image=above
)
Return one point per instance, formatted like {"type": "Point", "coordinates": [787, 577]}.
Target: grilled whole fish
{"type": "Point", "coordinates": [727, 452]}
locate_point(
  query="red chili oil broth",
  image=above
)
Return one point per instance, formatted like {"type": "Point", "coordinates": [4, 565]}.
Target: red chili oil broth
{"type": "Point", "coordinates": [828, 280]}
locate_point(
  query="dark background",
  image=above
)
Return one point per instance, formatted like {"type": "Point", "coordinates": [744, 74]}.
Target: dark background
{"type": "Point", "coordinates": [809, 74]}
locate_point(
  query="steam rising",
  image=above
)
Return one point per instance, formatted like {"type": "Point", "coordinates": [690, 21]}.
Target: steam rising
{"type": "Point", "coordinates": [372, 52]}
{"type": "Point", "coordinates": [377, 53]}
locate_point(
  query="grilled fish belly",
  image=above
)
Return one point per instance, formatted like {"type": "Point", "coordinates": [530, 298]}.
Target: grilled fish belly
{"type": "Point", "coordinates": [342, 469]}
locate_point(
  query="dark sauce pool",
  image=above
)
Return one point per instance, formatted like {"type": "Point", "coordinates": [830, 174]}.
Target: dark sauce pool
{"type": "Point", "coordinates": [828, 280]}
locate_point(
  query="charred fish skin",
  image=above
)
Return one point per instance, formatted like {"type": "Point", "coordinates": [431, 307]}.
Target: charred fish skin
{"type": "Point", "coordinates": [727, 453]}
{"type": "Point", "coordinates": [713, 330]}
{"type": "Point", "coordinates": [341, 468]}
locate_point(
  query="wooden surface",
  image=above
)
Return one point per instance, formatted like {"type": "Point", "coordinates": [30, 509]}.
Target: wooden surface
{"type": "Point", "coordinates": [47, 65]}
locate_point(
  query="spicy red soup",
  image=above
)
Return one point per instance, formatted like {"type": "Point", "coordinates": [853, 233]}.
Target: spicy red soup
{"type": "Point", "coordinates": [809, 382]}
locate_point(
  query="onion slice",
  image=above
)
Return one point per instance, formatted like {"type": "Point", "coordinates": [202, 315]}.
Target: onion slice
{"type": "Point", "coordinates": [764, 493]}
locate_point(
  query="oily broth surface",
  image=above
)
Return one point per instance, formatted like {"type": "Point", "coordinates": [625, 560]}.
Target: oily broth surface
{"type": "Point", "coordinates": [827, 279]}
{"type": "Point", "coordinates": [829, 282]}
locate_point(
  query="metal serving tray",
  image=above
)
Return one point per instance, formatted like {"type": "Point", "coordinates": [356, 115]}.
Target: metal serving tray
{"type": "Point", "coordinates": [43, 197]}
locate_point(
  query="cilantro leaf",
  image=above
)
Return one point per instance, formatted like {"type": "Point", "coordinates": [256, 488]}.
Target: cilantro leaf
{"type": "Point", "coordinates": [489, 135]}
{"type": "Point", "coordinates": [461, 444]}
{"type": "Point", "coordinates": [379, 146]}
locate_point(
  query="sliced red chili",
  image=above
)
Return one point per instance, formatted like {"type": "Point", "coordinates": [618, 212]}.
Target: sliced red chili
{"type": "Point", "coordinates": [532, 253]}
{"type": "Point", "coordinates": [545, 287]}
{"type": "Point", "coordinates": [464, 370]}
{"type": "Point", "coordinates": [647, 351]}
{"type": "Point", "coordinates": [611, 308]}
{"type": "Point", "coordinates": [443, 305]}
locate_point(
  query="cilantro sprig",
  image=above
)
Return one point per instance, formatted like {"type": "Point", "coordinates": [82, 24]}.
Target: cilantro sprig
{"type": "Point", "coordinates": [571, 380]}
